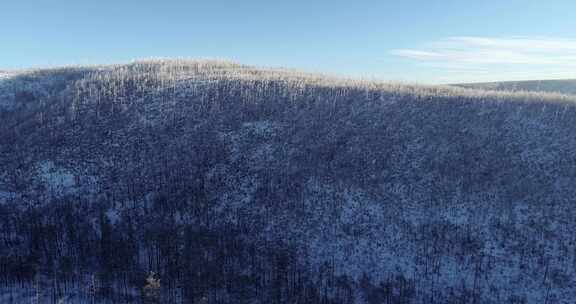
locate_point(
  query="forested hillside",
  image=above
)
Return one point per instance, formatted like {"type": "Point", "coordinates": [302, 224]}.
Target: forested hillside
{"type": "Point", "coordinates": [234, 184]}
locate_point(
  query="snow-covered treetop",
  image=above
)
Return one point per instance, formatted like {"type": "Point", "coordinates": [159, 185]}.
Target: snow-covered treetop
{"type": "Point", "coordinates": [158, 74]}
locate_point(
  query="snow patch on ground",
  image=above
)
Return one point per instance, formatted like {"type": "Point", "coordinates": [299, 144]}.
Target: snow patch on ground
{"type": "Point", "coordinates": [58, 179]}
{"type": "Point", "coordinates": [6, 196]}
{"type": "Point", "coordinates": [63, 181]}
{"type": "Point", "coordinates": [261, 128]}
{"type": "Point", "coordinates": [113, 216]}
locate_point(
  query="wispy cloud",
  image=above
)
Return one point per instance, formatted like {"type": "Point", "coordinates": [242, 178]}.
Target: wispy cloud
{"type": "Point", "coordinates": [479, 58]}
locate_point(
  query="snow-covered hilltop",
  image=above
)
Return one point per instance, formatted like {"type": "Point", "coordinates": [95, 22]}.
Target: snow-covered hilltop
{"type": "Point", "coordinates": [564, 86]}
{"type": "Point", "coordinates": [235, 184]}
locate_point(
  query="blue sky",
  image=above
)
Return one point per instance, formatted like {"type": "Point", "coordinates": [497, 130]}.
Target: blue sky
{"type": "Point", "coordinates": [428, 41]}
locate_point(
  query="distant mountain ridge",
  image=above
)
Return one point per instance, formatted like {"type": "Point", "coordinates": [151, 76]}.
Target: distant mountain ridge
{"type": "Point", "coordinates": [563, 86]}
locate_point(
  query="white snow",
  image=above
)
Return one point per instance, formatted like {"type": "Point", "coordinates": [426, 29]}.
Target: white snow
{"type": "Point", "coordinates": [5, 196]}
{"type": "Point", "coordinates": [113, 216]}
{"type": "Point", "coordinates": [62, 181]}
{"type": "Point", "coordinates": [58, 179]}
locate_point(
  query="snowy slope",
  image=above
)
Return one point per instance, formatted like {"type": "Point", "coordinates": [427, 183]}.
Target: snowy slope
{"type": "Point", "coordinates": [239, 184]}
{"type": "Point", "coordinates": [563, 86]}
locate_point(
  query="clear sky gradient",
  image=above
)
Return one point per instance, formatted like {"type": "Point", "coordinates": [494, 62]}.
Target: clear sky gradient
{"type": "Point", "coordinates": [428, 41]}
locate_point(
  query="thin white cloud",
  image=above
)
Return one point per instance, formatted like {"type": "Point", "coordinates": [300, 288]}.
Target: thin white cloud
{"type": "Point", "coordinates": [513, 58]}
{"type": "Point", "coordinates": [532, 44]}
